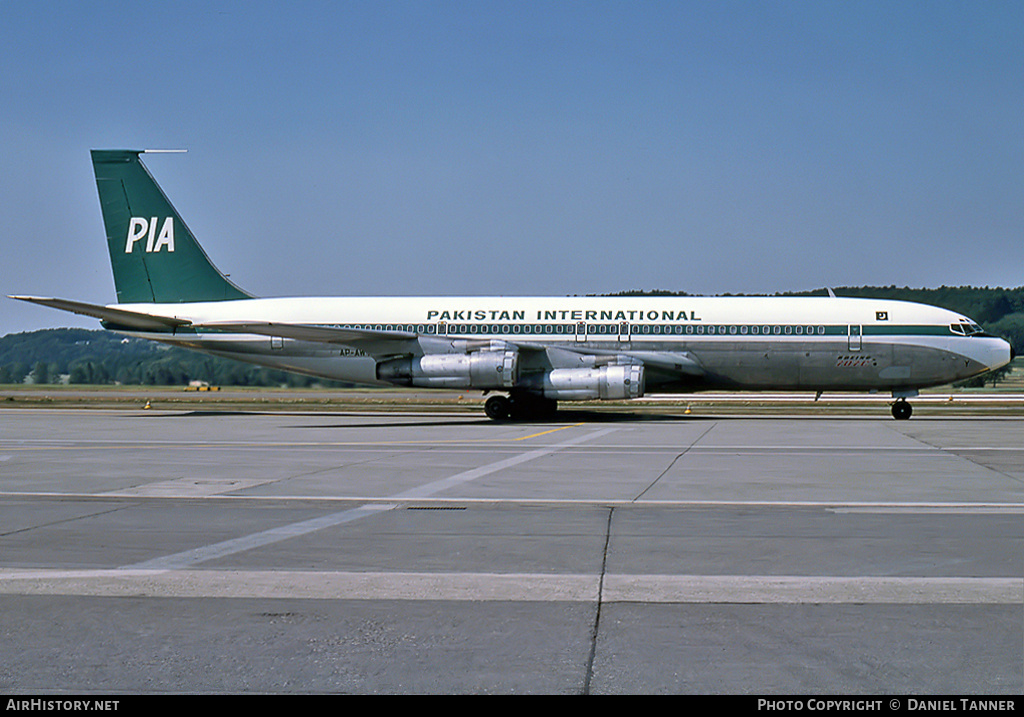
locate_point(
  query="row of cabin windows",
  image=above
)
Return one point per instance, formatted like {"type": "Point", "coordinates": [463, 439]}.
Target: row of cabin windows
{"type": "Point", "coordinates": [601, 329]}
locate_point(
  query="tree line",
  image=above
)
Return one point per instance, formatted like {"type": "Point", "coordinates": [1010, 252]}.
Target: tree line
{"type": "Point", "coordinates": [84, 356]}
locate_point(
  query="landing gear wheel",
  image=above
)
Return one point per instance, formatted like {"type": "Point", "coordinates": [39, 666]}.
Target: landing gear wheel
{"type": "Point", "coordinates": [498, 408]}
{"type": "Point", "coordinates": [901, 410]}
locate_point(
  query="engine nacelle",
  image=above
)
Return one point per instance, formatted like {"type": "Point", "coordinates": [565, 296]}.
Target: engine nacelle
{"type": "Point", "coordinates": [585, 384]}
{"type": "Point", "coordinates": [480, 369]}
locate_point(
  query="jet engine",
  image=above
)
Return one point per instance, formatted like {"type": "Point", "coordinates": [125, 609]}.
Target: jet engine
{"type": "Point", "coordinates": [480, 369]}
{"type": "Point", "coordinates": [583, 384]}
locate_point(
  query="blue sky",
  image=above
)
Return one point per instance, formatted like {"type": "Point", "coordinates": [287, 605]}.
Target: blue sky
{"type": "Point", "coordinates": [520, 148]}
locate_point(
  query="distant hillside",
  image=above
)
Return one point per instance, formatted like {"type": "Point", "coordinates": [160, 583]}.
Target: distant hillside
{"type": "Point", "coordinates": [82, 356]}
{"type": "Point", "coordinates": [101, 357]}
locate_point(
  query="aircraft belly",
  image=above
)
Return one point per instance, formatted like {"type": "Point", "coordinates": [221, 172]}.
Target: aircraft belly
{"type": "Point", "coordinates": [812, 365]}
{"type": "Point", "coordinates": [932, 367]}
{"type": "Point", "coordinates": [749, 365]}
{"type": "Point", "coordinates": [836, 367]}
{"type": "Point", "coordinates": [828, 366]}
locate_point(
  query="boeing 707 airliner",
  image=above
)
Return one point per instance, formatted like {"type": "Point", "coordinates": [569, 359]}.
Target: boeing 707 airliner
{"type": "Point", "coordinates": [528, 352]}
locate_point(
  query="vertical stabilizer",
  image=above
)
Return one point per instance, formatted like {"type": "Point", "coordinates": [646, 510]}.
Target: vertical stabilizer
{"type": "Point", "coordinates": [153, 254]}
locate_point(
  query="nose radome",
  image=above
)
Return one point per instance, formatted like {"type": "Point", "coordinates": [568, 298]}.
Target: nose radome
{"type": "Point", "coordinates": [1001, 353]}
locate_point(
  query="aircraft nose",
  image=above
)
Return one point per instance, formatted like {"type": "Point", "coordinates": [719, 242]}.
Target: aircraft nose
{"type": "Point", "coordinates": [1000, 354]}
{"type": "Point", "coordinates": [991, 353]}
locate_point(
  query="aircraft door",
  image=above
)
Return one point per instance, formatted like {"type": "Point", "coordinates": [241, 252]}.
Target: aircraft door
{"type": "Point", "coordinates": [855, 337]}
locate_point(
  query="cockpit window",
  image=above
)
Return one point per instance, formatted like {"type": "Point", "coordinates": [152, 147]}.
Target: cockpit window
{"type": "Point", "coordinates": [966, 328]}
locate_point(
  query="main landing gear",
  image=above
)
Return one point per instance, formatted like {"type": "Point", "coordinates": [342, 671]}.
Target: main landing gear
{"type": "Point", "coordinates": [901, 410]}
{"type": "Point", "coordinates": [519, 407]}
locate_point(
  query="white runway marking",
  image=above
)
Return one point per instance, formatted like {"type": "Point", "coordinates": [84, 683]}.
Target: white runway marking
{"type": "Point", "coordinates": [833, 506]}
{"type": "Point", "coordinates": [767, 589]}
{"type": "Point", "coordinates": [437, 486]}
{"type": "Point", "coordinates": [694, 589]}
{"type": "Point", "coordinates": [229, 547]}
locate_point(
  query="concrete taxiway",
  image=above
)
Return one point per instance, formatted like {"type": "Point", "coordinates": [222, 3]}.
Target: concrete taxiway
{"type": "Point", "coordinates": [150, 551]}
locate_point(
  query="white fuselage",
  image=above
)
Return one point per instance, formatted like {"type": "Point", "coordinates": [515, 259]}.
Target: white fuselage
{"type": "Point", "coordinates": [755, 343]}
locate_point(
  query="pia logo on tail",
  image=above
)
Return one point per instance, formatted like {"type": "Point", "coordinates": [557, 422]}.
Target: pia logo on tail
{"type": "Point", "coordinates": [140, 227]}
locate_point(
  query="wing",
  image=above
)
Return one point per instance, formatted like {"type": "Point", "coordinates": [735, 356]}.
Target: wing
{"type": "Point", "coordinates": [375, 343]}
{"type": "Point", "coordinates": [303, 332]}
{"type": "Point", "coordinates": [381, 343]}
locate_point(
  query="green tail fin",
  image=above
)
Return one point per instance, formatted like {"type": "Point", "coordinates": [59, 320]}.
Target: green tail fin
{"type": "Point", "coordinates": [153, 254]}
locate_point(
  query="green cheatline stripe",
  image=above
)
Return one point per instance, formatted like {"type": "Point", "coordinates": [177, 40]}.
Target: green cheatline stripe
{"type": "Point", "coordinates": [564, 329]}
{"type": "Point", "coordinates": [908, 330]}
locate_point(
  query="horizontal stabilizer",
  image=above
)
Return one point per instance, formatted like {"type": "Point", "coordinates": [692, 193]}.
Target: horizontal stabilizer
{"type": "Point", "coordinates": [121, 317]}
